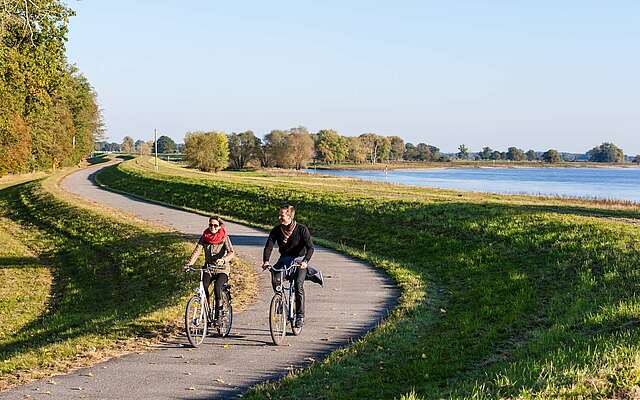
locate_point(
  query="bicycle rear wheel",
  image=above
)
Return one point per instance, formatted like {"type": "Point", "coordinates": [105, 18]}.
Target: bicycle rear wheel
{"type": "Point", "coordinates": [277, 319]}
{"type": "Point", "coordinates": [195, 321]}
{"type": "Point", "coordinates": [225, 317]}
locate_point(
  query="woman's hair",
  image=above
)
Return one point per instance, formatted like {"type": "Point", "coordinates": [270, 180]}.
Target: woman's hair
{"type": "Point", "coordinates": [217, 218]}
{"type": "Point", "coordinates": [290, 209]}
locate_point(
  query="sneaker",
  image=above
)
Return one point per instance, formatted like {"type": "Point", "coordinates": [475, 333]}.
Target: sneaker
{"type": "Point", "coordinates": [299, 322]}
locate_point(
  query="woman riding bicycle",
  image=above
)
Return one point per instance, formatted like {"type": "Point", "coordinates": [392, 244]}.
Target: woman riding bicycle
{"type": "Point", "coordinates": [218, 253]}
{"type": "Point", "coordinates": [294, 240]}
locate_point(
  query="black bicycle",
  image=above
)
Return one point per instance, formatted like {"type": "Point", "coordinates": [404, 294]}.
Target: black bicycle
{"type": "Point", "coordinates": [198, 316]}
{"type": "Point", "coordinates": [283, 305]}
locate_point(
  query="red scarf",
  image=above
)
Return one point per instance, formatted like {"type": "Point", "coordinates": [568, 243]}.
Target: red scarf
{"type": "Point", "coordinates": [214, 238]}
{"type": "Point", "coordinates": [287, 230]}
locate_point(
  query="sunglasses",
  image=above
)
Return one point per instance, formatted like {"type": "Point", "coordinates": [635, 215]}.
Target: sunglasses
{"type": "Point", "coordinates": [214, 225]}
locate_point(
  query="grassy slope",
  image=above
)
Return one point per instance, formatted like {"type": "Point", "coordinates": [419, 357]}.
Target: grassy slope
{"type": "Point", "coordinates": [503, 296]}
{"type": "Point", "coordinates": [117, 286]}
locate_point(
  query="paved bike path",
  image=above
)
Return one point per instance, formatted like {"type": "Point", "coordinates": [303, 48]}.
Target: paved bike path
{"type": "Point", "coordinates": [354, 299]}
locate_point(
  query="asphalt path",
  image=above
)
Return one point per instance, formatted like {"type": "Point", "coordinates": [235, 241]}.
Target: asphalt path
{"type": "Point", "coordinates": [353, 301]}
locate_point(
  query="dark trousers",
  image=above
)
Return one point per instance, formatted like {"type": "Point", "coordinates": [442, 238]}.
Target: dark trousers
{"type": "Point", "coordinates": [298, 277]}
{"type": "Point", "coordinates": [219, 280]}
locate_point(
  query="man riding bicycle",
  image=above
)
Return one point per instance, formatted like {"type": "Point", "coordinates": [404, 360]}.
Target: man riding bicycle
{"type": "Point", "coordinates": [294, 240]}
{"type": "Point", "coordinates": [218, 253]}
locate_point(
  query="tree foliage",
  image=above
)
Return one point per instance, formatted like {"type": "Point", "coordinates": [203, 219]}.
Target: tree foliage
{"type": "Point", "coordinates": [166, 145]}
{"type": "Point", "coordinates": [128, 146]}
{"type": "Point", "coordinates": [244, 147]}
{"type": "Point", "coordinates": [531, 155]}
{"type": "Point", "coordinates": [463, 152]}
{"type": "Point", "coordinates": [48, 111]}
{"type": "Point", "coordinates": [606, 153]}
{"type": "Point", "coordinates": [207, 151]}
{"type": "Point", "coordinates": [515, 154]}
{"type": "Point", "coordinates": [551, 156]}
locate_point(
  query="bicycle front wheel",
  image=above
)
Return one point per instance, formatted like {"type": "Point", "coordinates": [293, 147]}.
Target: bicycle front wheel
{"type": "Point", "coordinates": [195, 321]}
{"type": "Point", "coordinates": [277, 319]}
{"type": "Point", "coordinates": [294, 312]}
{"type": "Point", "coordinates": [226, 315]}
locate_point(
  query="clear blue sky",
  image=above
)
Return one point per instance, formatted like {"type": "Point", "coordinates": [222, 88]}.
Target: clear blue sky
{"type": "Point", "coordinates": [534, 74]}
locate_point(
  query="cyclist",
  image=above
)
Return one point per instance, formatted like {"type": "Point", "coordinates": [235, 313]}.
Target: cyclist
{"type": "Point", "coordinates": [294, 240]}
{"type": "Point", "coordinates": [218, 251]}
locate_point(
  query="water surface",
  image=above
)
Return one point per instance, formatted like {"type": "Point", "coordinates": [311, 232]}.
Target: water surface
{"type": "Point", "coordinates": [600, 183]}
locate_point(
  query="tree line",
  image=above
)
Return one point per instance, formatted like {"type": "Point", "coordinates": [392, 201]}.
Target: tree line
{"type": "Point", "coordinates": [295, 147]}
{"type": "Point", "coordinates": [49, 116]}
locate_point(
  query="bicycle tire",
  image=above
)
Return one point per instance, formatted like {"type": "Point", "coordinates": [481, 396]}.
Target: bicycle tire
{"type": "Point", "coordinates": [277, 319]}
{"type": "Point", "coordinates": [194, 323]}
{"type": "Point", "coordinates": [226, 318]}
{"type": "Point", "coordinates": [296, 331]}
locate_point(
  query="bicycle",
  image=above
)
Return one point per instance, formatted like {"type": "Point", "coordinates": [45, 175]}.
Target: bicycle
{"type": "Point", "coordinates": [283, 306]}
{"type": "Point", "coordinates": [198, 314]}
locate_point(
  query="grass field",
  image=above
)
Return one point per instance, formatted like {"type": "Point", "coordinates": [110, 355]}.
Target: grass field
{"type": "Point", "coordinates": [502, 296]}
{"type": "Point", "coordinates": [81, 283]}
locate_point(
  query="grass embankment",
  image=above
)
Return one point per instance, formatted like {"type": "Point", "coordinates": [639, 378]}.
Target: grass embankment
{"type": "Point", "coordinates": [503, 296]}
{"type": "Point", "coordinates": [80, 284]}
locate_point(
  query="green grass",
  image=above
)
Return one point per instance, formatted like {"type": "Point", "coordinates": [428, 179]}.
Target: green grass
{"type": "Point", "coordinates": [80, 285]}
{"type": "Point", "coordinates": [502, 296]}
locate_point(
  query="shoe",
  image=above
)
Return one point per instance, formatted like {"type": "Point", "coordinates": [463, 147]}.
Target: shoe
{"type": "Point", "coordinates": [299, 322]}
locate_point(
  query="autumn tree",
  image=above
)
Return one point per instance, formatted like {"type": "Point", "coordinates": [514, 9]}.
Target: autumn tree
{"type": "Point", "coordinates": [127, 145]}
{"type": "Point", "coordinates": [243, 148]}
{"type": "Point", "coordinates": [300, 148]}
{"type": "Point", "coordinates": [207, 151]}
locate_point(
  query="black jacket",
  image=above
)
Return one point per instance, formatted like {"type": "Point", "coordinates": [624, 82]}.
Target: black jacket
{"type": "Point", "coordinates": [299, 243]}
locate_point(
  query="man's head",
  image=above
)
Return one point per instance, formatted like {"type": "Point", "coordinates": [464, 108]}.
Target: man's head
{"type": "Point", "coordinates": [286, 214]}
{"type": "Point", "coordinates": [215, 223]}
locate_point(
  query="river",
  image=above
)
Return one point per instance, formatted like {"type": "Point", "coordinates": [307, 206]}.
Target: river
{"type": "Point", "coordinates": [597, 183]}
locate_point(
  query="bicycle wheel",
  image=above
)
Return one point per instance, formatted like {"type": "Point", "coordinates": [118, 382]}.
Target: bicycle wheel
{"type": "Point", "coordinates": [277, 319]}
{"type": "Point", "coordinates": [292, 322]}
{"type": "Point", "coordinates": [195, 321]}
{"type": "Point", "coordinates": [226, 315]}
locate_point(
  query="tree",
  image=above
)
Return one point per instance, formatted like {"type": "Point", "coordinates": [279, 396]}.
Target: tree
{"type": "Point", "coordinates": [357, 152]}
{"type": "Point", "coordinates": [495, 155]}
{"type": "Point", "coordinates": [606, 153]}
{"type": "Point", "coordinates": [397, 147]}
{"type": "Point", "coordinates": [531, 155]}
{"type": "Point", "coordinates": [48, 112]}
{"type": "Point", "coordinates": [207, 151]}
{"type": "Point", "coordinates": [331, 147]}
{"type": "Point", "coordinates": [374, 146]}
{"type": "Point", "coordinates": [243, 148]}
{"type": "Point", "coordinates": [275, 149]}
{"type": "Point", "coordinates": [300, 148]}
{"type": "Point", "coordinates": [636, 159]}
{"type": "Point", "coordinates": [423, 152]}
{"type": "Point", "coordinates": [551, 156]}
{"type": "Point", "coordinates": [515, 154]}
{"type": "Point", "coordinates": [410, 152]}
{"type": "Point", "coordinates": [463, 152]}
{"type": "Point", "coordinates": [166, 145]}
{"type": "Point", "coordinates": [137, 144]}
{"type": "Point", "coordinates": [486, 153]}
{"type": "Point", "coordinates": [145, 148]}
{"type": "Point", "coordinates": [127, 145]}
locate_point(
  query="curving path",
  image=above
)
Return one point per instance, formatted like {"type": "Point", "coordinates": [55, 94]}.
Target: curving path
{"type": "Point", "coordinates": [354, 299]}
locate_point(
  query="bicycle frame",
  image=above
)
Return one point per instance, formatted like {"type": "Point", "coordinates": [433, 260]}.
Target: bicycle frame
{"type": "Point", "coordinates": [287, 291]}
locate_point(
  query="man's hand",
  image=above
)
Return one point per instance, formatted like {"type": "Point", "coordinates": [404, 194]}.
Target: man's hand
{"type": "Point", "coordinates": [303, 265]}
{"type": "Point", "coordinates": [186, 267]}
{"type": "Point", "coordinates": [265, 265]}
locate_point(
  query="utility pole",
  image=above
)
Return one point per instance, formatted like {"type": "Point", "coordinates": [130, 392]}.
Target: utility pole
{"type": "Point", "coordinates": [155, 144]}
